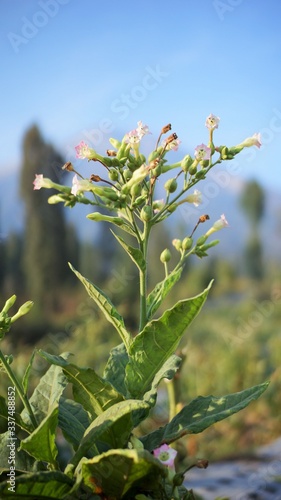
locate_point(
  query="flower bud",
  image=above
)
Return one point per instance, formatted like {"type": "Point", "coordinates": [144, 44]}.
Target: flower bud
{"type": "Point", "coordinates": [135, 190]}
{"type": "Point", "coordinates": [97, 217]}
{"type": "Point", "coordinates": [146, 213]}
{"type": "Point", "coordinates": [186, 163]}
{"type": "Point", "coordinates": [171, 185]}
{"type": "Point", "coordinates": [177, 244]}
{"type": "Point", "coordinates": [165, 255]}
{"type": "Point", "coordinates": [116, 144]}
{"type": "Point", "coordinates": [201, 174]}
{"type": "Point", "coordinates": [172, 208]}
{"type": "Point", "coordinates": [9, 303]}
{"type": "Point", "coordinates": [187, 243]}
{"type": "Point", "coordinates": [24, 309]}
{"type": "Point", "coordinates": [193, 168]}
{"type": "Point", "coordinates": [113, 175]}
{"type": "Point", "coordinates": [201, 240]}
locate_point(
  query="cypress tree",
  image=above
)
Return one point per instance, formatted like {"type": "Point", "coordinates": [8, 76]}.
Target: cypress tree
{"type": "Point", "coordinates": [45, 253]}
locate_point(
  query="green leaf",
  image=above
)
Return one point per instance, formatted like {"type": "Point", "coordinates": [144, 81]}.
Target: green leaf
{"type": "Point", "coordinates": [73, 421]}
{"type": "Point", "coordinates": [90, 390]}
{"type": "Point", "coordinates": [27, 372]}
{"type": "Point", "coordinates": [22, 461]}
{"type": "Point", "coordinates": [200, 414]}
{"type": "Point", "coordinates": [106, 307]}
{"type": "Point", "coordinates": [161, 290]}
{"type": "Point", "coordinates": [168, 370]}
{"type": "Point", "coordinates": [157, 342]}
{"type": "Point", "coordinates": [40, 485]}
{"type": "Point", "coordinates": [46, 394]}
{"type": "Point", "coordinates": [134, 253]}
{"type": "Point", "coordinates": [114, 371]}
{"type": "Point", "coordinates": [116, 472]}
{"type": "Point", "coordinates": [41, 443]}
{"type": "Point", "coordinates": [112, 429]}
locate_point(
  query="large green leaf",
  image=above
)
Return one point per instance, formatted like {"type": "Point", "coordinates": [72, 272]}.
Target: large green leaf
{"type": "Point", "coordinates": [90, 390]}
{"type": "Point", "coordinates": [41, 443]}
{"type": "Point", "coordinates": [200, 414]}
{"type": "Point", "coordinates": [46, 393]}
{"type": "Point", "coordinates": [134, 253]}
{"type": "Point", "coordinates": [160, 291]}
{"type": "Point", "coordinates": [168, 370]}
{"type": "Point", "coordinates": [105, 306]}
{"type": "Point", "coordinates": [157, 342]}
{"type": "Point", "coordinates": [115, 368]}
{"type": "Point", "coordinates": [116, 472]}
{"type": "Point", "coordinates": [73, 421]}
{"type": "Point", "coordinates": [40, 485]}
{"type": "Point", "coordinates": [112, 429]}
{"type": "Point", "coordinates": [22, 461]}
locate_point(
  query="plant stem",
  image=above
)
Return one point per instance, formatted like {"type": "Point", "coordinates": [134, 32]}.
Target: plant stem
{"type": "Point", "coordinates": [19, 388]}
{"type": "Point", "coordinates": [172, 399]}
{"type": "Point", "coordinates": [143, 277]}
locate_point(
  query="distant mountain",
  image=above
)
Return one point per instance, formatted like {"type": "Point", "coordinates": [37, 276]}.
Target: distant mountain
{"type": "Point", "coordinates": [218, 197]}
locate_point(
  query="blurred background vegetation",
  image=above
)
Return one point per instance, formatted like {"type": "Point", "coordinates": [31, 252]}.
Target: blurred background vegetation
{"type": "Point", "coordinates": [233, 344]}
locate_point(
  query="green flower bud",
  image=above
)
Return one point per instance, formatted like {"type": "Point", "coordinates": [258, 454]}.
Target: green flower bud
{"type": "Point", "coordinates": [165, 255]}
{"type": "Point", "coordinates": [113, 175]}
{"type": "Point", "coordinates": [186, 163]}
{"type": "Point", "coordinates": [136, 190]}
{"type": "Point", "coordinates": [116, 144]}
{"type": "Point", "coordinates": [127, 175]}
{"type": "Point", "coordinates": [177, 244]}
{"type": "Point", "coordinates": [9, 303]}
{"type": "Point", "coordinates": [56, 198]}
{"type": "Point", "coordinates": [201, 174]}
{"type": "Point", "coordinates": [193, 168]}
{"type": "Point", "coordinates": [24, 309]}
{"type": "Point", "coordinates": [204, 163]}
{"type": "Point", "coordinates": [172, 208]}
{"type": "Point", "coordinates": [187, 243]}
{"type": "Point", "coordinates": [201, 240]}
{"type": "Point", "coordinates": [97, 217]}
{"type": "Point", "coordinates": [146, 213]}
{"type": "Point", "coordinates": [171, 185]}
{"type": "Point", "coordinates": [153, 156]}
{"type": "Point", "coordinates": [139, 200]}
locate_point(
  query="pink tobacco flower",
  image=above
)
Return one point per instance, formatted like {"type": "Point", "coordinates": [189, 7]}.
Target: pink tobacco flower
{"type": "Point", "coordinates": [166, 455]}
{"type": "Point", "coordinates": [195, 198]}
{"type": "Point", "coordinates": [202, 152]}
{"type": "Point", "coordinates": [142, 129]}
{"type": "Point", "coordinates": [132, 137]}
{"type": "Point", "coordinates": [79, 186]}
{"type": "Point", "coordinates": [255, 140]}
{"type": "Point", "coordinates": [212, 122]}
{"type": "Point", "coordinates": [172, 145]}
{"type": "Point", "coordinates": [218, 225]}
{"type": "Point", "coordinates": [42, 182]}
{"type": "Point", "coordinates": [83, 151]}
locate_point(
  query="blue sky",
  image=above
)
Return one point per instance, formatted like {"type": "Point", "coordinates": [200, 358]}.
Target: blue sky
{"type": "Point", "coordinates": [90, 70]}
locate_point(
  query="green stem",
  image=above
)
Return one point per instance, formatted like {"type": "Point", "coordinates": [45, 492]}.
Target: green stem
{"type": "Point", "coordinates": [172, 399]}
{"type": "Point", "coordinates": [19, 388]}
{"type": "Point", "coordinates": [143, 277]}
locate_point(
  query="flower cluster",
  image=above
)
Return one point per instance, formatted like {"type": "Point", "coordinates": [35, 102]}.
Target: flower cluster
{"type": "Point", "coordinates": [130, 189]}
